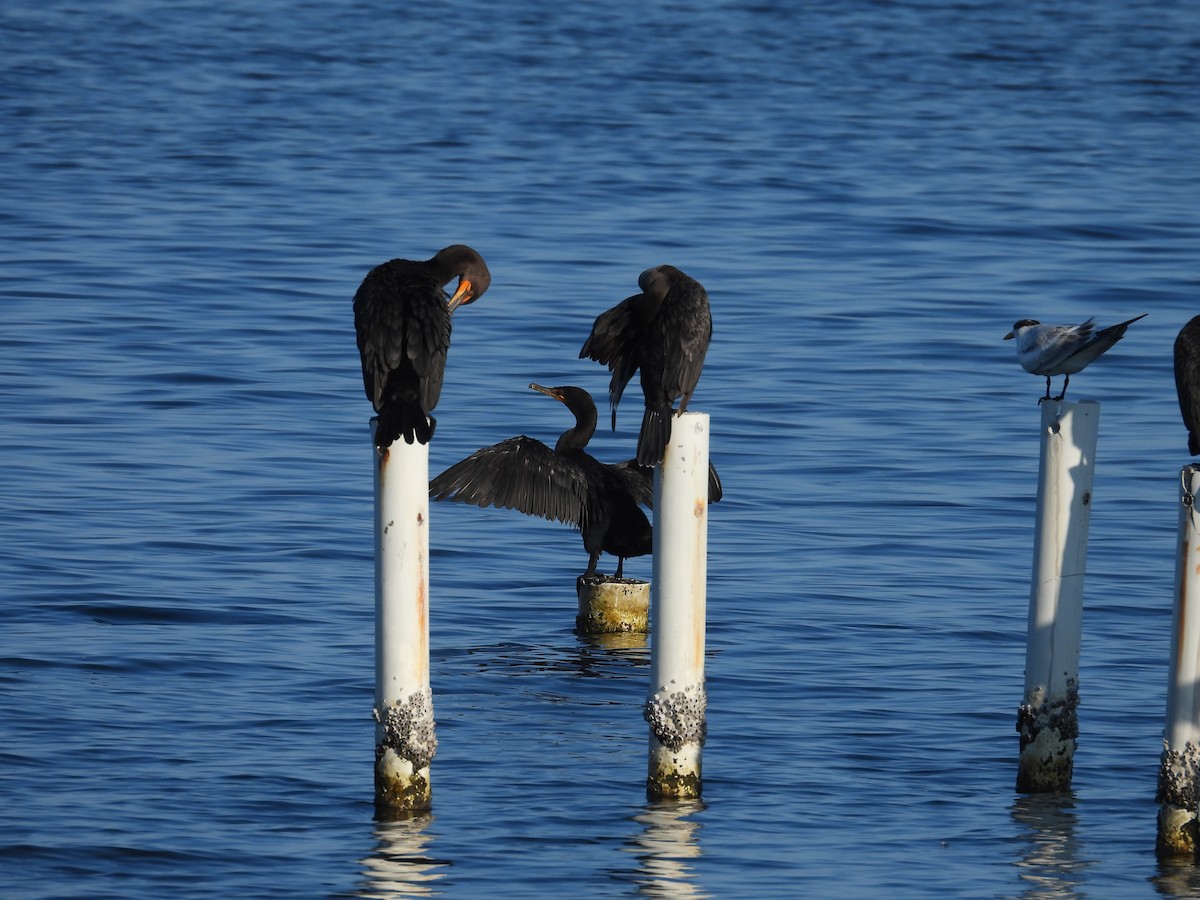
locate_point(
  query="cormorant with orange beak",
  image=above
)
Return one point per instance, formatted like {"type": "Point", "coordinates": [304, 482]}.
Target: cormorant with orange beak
{"type": "Point", "coordinates": [402, 322]}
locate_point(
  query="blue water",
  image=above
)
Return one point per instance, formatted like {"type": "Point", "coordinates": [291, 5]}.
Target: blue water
{"type": "Point", "coordinates": [872, 194]}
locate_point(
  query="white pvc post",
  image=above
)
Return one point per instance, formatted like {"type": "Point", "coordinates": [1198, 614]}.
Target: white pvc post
{"type": "Point", "coordinates": [404, 734]}
{"type": "Point", "coordinates": [1048, 719]}
{"type": "Point", "coordinates": [675, 709]}
{"type": "Point", "coordinates": [1179, 770]}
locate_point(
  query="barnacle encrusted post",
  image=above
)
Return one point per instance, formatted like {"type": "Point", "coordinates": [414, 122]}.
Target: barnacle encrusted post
{"type": "Point", "coordinates": [675, 709]}
{"type": "Point", "coordinates": [404, 747]}
{"type": "Point", "coordinates": [678, 728]}
{"type": "Point", "coordinates": [1047, 718]}
{"type": "Point", "coordinates": [610, 605]}
{"type": "Point", "coordinates": [404, 731]}
{"type": "Point", "coordinates": [1179, 770]}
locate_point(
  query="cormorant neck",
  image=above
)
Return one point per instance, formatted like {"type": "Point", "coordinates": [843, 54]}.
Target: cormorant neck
{"type": "Point", "coordinates": [585, 426]}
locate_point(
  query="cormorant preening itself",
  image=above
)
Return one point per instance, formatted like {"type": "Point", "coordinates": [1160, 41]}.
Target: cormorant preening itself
{"type": "Point", "coordinates": [1187, 380]}
{"type": "Point", "coordinates": [566, 484]}
{"type": "Point", "coordinates": [402, 321]}
{"type": "Point", "coordinates": [1051, 350]}
{"type": "Point", "coordinates": [663, 332]}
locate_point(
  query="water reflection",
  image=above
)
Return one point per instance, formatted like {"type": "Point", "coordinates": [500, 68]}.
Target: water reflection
{"type": "Point", "coordinates": [664, 847]}
{"type": "Point", "coordinates": [592, 656]}
{"type": "Point", "coordinates": [1177, 879]}
{"type": "Point", "coordinates": [634, 645]}
{"type": "Point", "coordinates": [401, 865]}
{"type": "Point", "coordinates": [1053, 868]}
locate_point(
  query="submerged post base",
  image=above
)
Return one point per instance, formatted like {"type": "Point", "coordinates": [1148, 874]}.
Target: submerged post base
{"type": "Point", "coordinates": [1049, 729]}
{"type": "Point", "coordinates": [1177, 832]}
{"type": "Point", "coordinates": [1178, 827]}
{"type": "Point", "coordinates": [609, 605]}
{"type": "Point", "coordinates": [674, 774]}
{"type": "Point", "coordinates": [1046, 769]}
{"type": "Point", "coordinates": [399, 787]}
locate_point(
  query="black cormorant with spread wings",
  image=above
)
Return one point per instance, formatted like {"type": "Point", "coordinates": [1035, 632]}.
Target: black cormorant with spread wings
{"type": "Point", "coordinates": [566, 484]}
{"type": "Point", "coordinates": [664, 333]}
{"type": "Point", "coordinates": [402, 322]}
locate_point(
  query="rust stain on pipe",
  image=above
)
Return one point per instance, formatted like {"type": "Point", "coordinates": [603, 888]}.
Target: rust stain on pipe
{"type": "Point", "coordinates": [422, 606]}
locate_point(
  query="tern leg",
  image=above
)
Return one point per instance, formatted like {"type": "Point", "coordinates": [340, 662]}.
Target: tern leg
{"type": "Point", "coordinates": [1066, 381]}
{"type": "Point", "coordinates": [1047, 397]}
{"type": "Point", "coordinates": [620, 566]}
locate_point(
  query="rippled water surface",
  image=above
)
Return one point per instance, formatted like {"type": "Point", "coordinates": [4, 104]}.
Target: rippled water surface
{"type": "Point", "coordinates": [871, 192]}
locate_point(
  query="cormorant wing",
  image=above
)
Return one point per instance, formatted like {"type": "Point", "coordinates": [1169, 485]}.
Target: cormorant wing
{"type": "Point", "coordinates": [715, 491]}
{"type": "Point", "coordinates": [1187, 380]}
{"type": "Point", "coordinates": [682, 366]}
{"type": "Point", "coordinates": [428, 344]}
{"type": "Point", "coordinates": [613, 343]}
{"type": "Point", "coordinates": [520, 473]}
{"type": "Point", "coordinates": [400, 314]}
{"type": "Point", "coordinates": [639, 482]}
{"type": "Point", "coordinates": [373, 329]}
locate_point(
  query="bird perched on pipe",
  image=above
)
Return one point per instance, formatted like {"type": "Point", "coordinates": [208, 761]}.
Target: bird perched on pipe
{"type": "Point", "coordinates": [402, 323]}
{"type": "Point", "coordinates": [1187, 380]}
{"type": "Point", "coordinates": [664, 333]}
{"type": "Point", "coordinates": [1051, 350]}
{"type": "Point", "coordinates": [566, 484]}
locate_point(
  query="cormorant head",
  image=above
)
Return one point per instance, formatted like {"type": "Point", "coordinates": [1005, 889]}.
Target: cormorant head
{"type": "Point", "coordinates": [473, 275]}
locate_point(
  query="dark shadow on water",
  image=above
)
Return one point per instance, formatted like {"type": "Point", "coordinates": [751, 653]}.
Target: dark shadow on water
{"type": "Point", "coordinates": [1051, 863]}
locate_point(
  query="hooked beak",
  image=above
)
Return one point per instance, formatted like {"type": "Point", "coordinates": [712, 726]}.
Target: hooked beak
{"type": "Point", "coordinates": [549, 392]}
{"type": "Point", "coordinates": [461, 296]}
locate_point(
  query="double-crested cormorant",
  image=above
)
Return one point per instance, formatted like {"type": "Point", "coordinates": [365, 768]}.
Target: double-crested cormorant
{"type": "Point", "coordinates": [1187, 380]}
{"type": "Point", "coordinates": [1051, 350]}
{"type": "Point", "coordinates": [663, 332]}
{"type": "Point", "coordinates": [402, 321]}
{"type": "Point", "coordinates": [566, 484]}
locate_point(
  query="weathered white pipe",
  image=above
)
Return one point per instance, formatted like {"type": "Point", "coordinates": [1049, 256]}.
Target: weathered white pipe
{"type": "Point", "coordinates": [404, 734]}
{"type": "Point", "coordinates": [677, 703]}
{"type": "Point", "coordinates": [1048, 719]}
{"type": "Point", "coordinates": [609, 606]}
{"type": "Point", "coordinates": [1179, 770]}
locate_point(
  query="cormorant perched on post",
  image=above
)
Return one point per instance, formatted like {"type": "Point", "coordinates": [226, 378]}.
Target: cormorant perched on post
{"type": "Point", "coordinates": [1051, 350]}
{"type": "Point", "coordinates": [663, 332]}
{"type": "Point", "coordinates": [402, 322]}
{"type": "Point", "coordinates": [566, 484]}
{"type": "Point", "coordinates": [1187, 380]}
